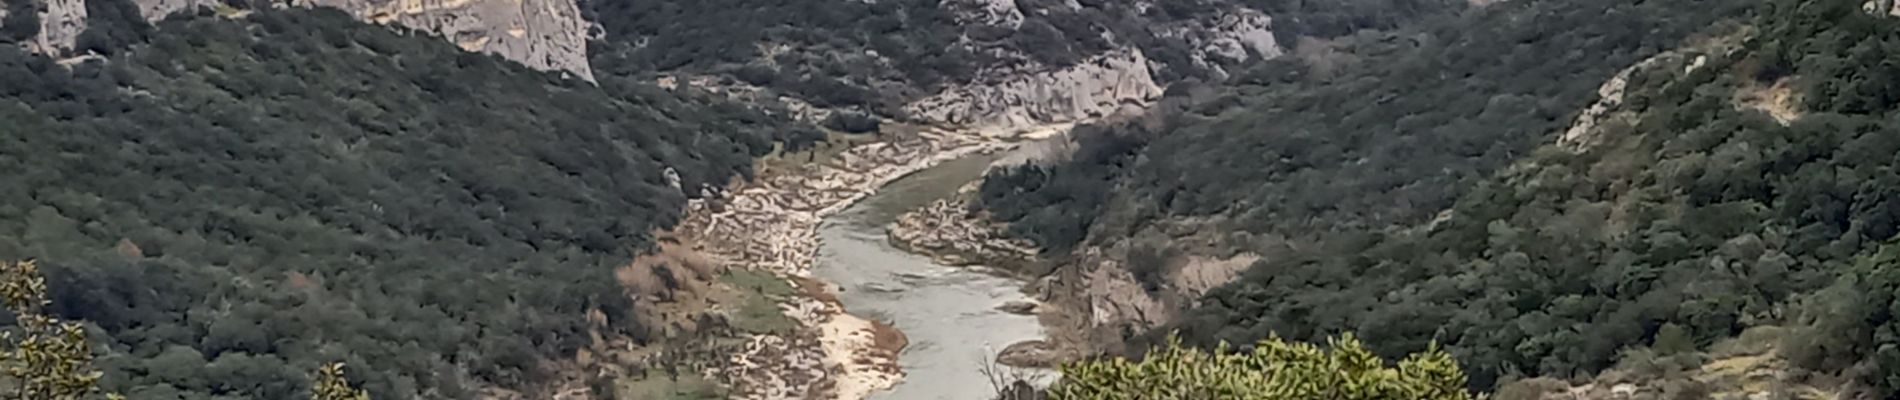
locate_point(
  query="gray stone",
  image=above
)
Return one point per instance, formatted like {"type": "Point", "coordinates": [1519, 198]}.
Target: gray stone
{"type": "Point", "coordinates": [1019, 307]}
{"type": "Point", "coordinates": [1028, 354]}
{"type": "Point", "coordinates": [547, 35]}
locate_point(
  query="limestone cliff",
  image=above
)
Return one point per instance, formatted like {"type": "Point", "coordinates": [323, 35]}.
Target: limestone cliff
{"type": "Point", "coordinates": [61, 21]}
{"type": "Point", "coordinates": [1228, 38]}
{"type": "Point", "coordinates": [542, 34]}
{"type": "Point", "coordinates": [988, 12]}
{"type": "Point", "coordinates": [1122, 80]}
{"type": "Point", "coordinates": [1101, 86]}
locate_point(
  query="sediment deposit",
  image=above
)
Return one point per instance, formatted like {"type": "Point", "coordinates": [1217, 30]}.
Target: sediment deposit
{"type": "Point", "coordinates": [771, 224]}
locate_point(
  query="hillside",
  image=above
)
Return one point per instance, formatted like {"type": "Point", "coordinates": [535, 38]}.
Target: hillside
{"type": "Point", "coordinates": [986, 64]}
{"type": "Point", "coordinates": [876, 56]}
{"type": "Point", "coordinates": [234, 201]}
{"type": "Point", "coordinates": [588, 199]}
{"type": "Point", "coordinates": [1544, 188]}
{"type": "Point", "coordinates": [233, 195]}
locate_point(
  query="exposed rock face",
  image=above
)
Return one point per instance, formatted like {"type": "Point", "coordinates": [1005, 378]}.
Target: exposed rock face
{"type": "Point", "coordinates": [1878, 7]}
{"type": "Point", "coordinates": [61, 21]}
{"type": "Point", "coordinates": [1114, 297]}
{"type": "Point", "coordinates": [154, 10]}
{"type": "Point", "coordinates": [1587, 130]}
{"type": "Point", "coordinates": [1028, 354]}
{"type": "Point", "coordinates": [1118, 81]}
{"type": "Point", "coordinates": [1101, 86]}
{"type": "Point", "coordinates": [1093, 301]}
{"type": "Point", "coordinates": [547, 35]}
{"type": "Point", "coordinates": [1581, 134]}
{"type": "Point", "coordinates": [1199, 274]}
{"type": "Point", "coordinates": [1232, 37]}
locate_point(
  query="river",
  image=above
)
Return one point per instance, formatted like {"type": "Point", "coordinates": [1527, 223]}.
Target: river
{"type": "Point", "coordinates": [948, 313]}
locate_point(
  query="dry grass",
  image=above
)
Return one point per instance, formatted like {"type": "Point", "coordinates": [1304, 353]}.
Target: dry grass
{"type": "Point", "coordinates": [675, 266]}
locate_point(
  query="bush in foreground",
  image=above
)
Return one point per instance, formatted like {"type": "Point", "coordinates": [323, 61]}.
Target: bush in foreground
{"type": "Point", "coordinates": [1273, 369]}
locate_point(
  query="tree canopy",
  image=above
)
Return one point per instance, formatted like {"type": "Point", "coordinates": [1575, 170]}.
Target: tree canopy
{"type": "Point", "coordinates": [1272, 370]}
{"type": "Point", "coordinates": [1424, 195]}
{"type": "Point", "coordinates": [872, 55]}
{"type": "Point", "coordinates": [235, 202]}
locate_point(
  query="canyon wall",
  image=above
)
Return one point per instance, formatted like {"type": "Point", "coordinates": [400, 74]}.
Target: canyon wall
{"type": "Point", "coordinates": [1101, 86]}
{"type": "Point", "coordinates": [548, 35]}
{"type": "Point", "coordinates": [61, 21]}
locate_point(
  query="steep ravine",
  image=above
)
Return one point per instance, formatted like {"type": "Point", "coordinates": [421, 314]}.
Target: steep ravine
{"type": "Point", "coordinates": [773, 223]}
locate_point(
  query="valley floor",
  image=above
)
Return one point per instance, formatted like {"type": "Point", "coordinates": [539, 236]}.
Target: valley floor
{"type": "Point", "coordinates": [771, 224]}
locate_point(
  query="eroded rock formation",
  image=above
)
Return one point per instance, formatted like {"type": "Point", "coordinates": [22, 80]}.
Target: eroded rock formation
{"type": "Point", "coordinates": [1101, 86]}
{"type": "Point", "coordinates": [1230, 38]}
{"type": "Point", "coordinates": [1115, 82]}
{"type": "Point", "coordinates": [61, 22]}
{"type": "Point", "coordinates": [548, 35]}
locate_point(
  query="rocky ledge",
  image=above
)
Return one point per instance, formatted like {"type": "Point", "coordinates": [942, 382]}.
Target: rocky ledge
{"type": "Point", "coordinates": [1030, 354]}
{"type": "Point", "coordinates": [953, 233]}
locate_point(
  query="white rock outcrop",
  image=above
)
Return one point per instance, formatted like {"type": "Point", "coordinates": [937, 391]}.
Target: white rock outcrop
{"type": "Point", "coordinates": [1581, 134]}
{"type": "Point", "coordinates": [154, 10]}
{"type": "Point", "coordinates": [547, 35]}
{"type": "Point", "coordinates": [1101, 86]}
{"type": "Point", "coordinates": [61, 21]}
{"type": "Point", "coordinates": [1234, 35]}
{"type": "Point", "coordinates": [1122, 80]}
{"type": "Point", "coordinates": [1878, 7]}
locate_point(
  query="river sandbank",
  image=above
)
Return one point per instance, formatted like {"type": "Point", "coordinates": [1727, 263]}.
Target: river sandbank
{"type": "Point", "coordinates": [771, 224]}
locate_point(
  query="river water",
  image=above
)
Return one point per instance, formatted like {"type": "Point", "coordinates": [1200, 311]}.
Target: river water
{"type": "Point", "coordinates": [948, 313]}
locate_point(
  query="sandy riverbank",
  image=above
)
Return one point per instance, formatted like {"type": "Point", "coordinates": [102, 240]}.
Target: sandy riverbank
{"type": "Point", "coordinates": [771, 224]}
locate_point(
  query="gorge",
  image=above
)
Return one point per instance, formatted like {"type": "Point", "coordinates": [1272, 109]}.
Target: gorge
{"type": "Point", "coordinates": [895, 199]}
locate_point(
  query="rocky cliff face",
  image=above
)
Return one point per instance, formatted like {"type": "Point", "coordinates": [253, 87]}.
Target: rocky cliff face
{"type": "Point", "coordinates": [548, 35]}
{"type": "Point", "coordinates": [1119, 81]}
{"type": "Point", "coordinates": [154, 10]}
{"type": "Point", "coordinates": [1229, 38]}
{"type": "Point", "coordinates": [61, 21]}
{"type": "Point", "coordinates": [1101, 86]}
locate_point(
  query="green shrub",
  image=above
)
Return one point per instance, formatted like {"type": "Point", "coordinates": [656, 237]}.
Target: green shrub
{"type": "Point", "coordinates": [1273, 370]}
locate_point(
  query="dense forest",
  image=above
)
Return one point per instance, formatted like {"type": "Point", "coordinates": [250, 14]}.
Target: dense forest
{"type": "Point", "coordinates": [1339, 143]}
{"type": "Point", "coordinates": [871, 54]}
{"type": "Point", "coordinates": [1549, 267]}
{"type": "Point", "coordinates": [237, 197]}
{"type": "Point", "coordinates": [1424, 196]}
{"type": "Point", "coordinates": [232, 202]}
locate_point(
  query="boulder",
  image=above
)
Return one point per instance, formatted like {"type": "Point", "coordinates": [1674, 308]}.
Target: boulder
{"type": "Point", "coordinates": [1019, 307]}
{"type": "Point", "coordinates": [1028, 354]}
